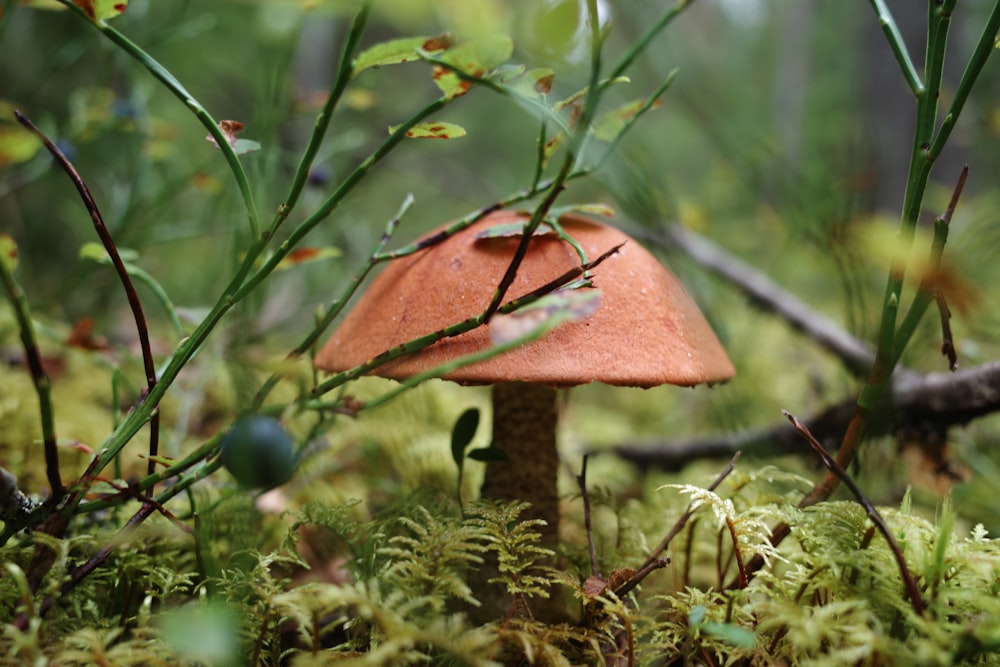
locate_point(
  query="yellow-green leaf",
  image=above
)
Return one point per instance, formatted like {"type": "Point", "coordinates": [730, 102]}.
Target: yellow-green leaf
{"type": "Point", "coordinates": [610, 124]}
{"type": "Point", "coordinates": [475, 59]}
{"type": "Point", "coordinates": [435, 130]}
{"type": "Point", "coordinates": [8, 252]}
{"type": "Point", "coordinates": [399, 51]}
{"type": "Point", "coordinates": [531, 83]}
{"type": "Point", "coordinates": [101, 10]}
{"type": "Point", "coordinates": [17, 144]}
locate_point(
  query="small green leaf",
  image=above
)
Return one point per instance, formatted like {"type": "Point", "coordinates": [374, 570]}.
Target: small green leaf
{"type": "Point", "coordinates": [462, 433]}
{"type": "Point", "coordinates": [610, 124]}
{"type": "Point", "coordinates": [514, 229]}
{"type": "Point", "coordinates": [488, 455]}
{"type": "Point", "coordinates": [475, 58]}
{"type": "Point", "coordinates": [733, 635]}
{"type": "Point", "coordinates": [399, 51]}
{"type": "Point", "coordinates": [434, 130]}
{"type": "Point", "coordinates": [572, 99]}
{"type": "Point", "coordinates": [531, 83]}
{"type": "Point", "coordinates": [95, 251]}
{"type": "Point", "coordinates": [241, 146]}
{"type": "Point", "coordinates": [697, 615]}
{"type": "Point", "coordinates": [8, 252]}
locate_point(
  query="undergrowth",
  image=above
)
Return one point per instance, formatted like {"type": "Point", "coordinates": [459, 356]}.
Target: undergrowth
{"type": "Point", "coordinates": [831, 596]}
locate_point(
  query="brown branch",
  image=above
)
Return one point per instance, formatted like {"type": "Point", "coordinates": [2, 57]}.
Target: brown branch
{"type": "Point", "coordinates": [876, 518]}
{"type": "Point", "coordinates": [767, 294]}
{"type": "Point", "coordinates": [931, 402]}
{"type": "Point", "coordinates": [116, 260]}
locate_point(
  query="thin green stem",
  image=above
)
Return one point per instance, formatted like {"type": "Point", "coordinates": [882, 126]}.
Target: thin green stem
{"type": "Point", "coordinates": [421, 342]}
{"type": "Point", "coordinates": [333, 201]}
{"type": "Point", "coordinates": [643, 42]}
{"type": "Point", "coordinates": [926, 290]}
{"type": "Point", "coordinates": [164, 76]}
{"type": "Point", "coordinates": [898, 47]}
{"type": "Point", "coordinates": [43, 388]}
{"type": "Point", "coordinates": [343, 78]}
{"type": "Point", "coordinates": [984, 47]}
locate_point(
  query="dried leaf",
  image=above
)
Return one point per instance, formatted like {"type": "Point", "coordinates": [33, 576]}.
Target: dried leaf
{"type": "Point", "coordinates": [594, 586]}
{"type": "Point", "coordinates": [305, 255]}
{"type": "Point", "coordinates": [231, 129]}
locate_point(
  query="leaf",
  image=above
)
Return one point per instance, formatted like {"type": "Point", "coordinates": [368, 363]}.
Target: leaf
{"type": "Point", "coordinates": [96, 252]}
{"type": "Point", "coordinates": [610, 124]}
{"type": "Point", "coordinates": [514, 229]}
{"type": "Point", "coordinates": [435, 130]}
{"type": "Point", "coordinates": [733, 635]}
{"type": "Point", "coordinates": [230, 129]}
{"type": "Point", "coordinates": [529, 83]}
{"type": "Point", "coordinates": [101, 10]}
{"type": "Point", "coordinates": [593, 208]}
{"type": "Point", "coordinates": [578, 95]}
{"type": "Point", "coordinates": [544, 315]}
{"type": "Point", "coordinates": [475, 58]}
{"type": "Point", "coordinates": [399, 51]}
{"type": "Point", "coordinates": [8, 252]}
{"type": "Point", "coordinates": [488, 455]}
{"type": "Point", "coordinates": [462, 433]}
{"type": "Point", "coordinates": [306, 255]}
{"type": "Point", "coordinates": [17, 145]}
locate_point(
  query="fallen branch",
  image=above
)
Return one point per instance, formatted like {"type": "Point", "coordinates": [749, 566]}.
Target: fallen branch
{"type": "Point", "coordinates": [932, 402]}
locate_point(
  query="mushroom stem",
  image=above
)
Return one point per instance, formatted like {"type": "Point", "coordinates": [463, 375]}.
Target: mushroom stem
{"type": "Point", "coordinates": [524, 426]}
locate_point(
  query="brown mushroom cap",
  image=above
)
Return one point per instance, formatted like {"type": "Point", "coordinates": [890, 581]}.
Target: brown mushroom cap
{"type": "Point", "coordinates": [646, 331]}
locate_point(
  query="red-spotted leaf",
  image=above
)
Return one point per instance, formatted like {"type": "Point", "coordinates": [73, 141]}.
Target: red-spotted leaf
{"type": "Point", "coordinates": [529, 83]}
{"type": "Point", "coordinates": [435, 130]}
{"type": "Point", "coordinates": [399, 51]}
{"type": "Point", "coordinates": [578, 95]}
{"type": "Point", "coordinates": [8, 252]}
{"type": "Point", "coordinates": [230, 130]}
{"type": "Point", "coordinates": [610, 124]}
{"type": "Point", "coordinates": [306, 255]}
{"type": "Point", "coordinates": [476, 59]}
{"type": "Point", "coordinates": [538, 318]}
{"type": "Point", "coordinates": [101, 10]}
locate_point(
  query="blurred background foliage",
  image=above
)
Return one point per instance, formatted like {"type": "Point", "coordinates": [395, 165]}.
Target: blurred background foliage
{"type": "Point", "coordinates": [784, 139]}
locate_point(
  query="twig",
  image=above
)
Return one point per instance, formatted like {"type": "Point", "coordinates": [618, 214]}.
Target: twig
{"type": "Point", "coordinates": [581, 480]}
{"type": "Point", "coordinates": [43, 387]}
{"type": "Point", "coordinates": [933, 401]}
{"type": "Point", "coordinates": [130, 293]}
{"type": "Point", "coordinates": [653, 561]}
{"type": "Point", "coordinates": [856, 356]}
{"type": "Point", "coordinates": [834, 467]}
{"type": "Point", "coordinates": [740, 567]}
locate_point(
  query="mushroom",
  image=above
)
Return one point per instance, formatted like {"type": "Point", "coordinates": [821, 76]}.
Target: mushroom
{"type": "Point", "coordinates": [645, 332]}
